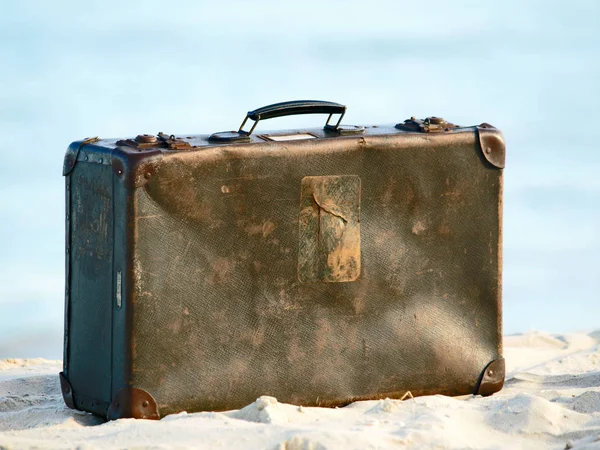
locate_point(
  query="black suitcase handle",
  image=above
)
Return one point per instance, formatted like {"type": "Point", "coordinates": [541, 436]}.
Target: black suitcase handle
{"type": "Point", "coordinates": [293, 108]}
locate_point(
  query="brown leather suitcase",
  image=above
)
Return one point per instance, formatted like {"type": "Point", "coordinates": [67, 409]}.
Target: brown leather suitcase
{"type": "Point", "coordinates": [318, 266]}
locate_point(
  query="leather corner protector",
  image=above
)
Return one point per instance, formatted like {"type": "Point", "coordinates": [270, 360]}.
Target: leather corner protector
{"type": "Point", "coordinates": [144, 172]}
{"type": "Point", "coordinates": [73, 152]}
{"type": "Point", "coordinates": [130, 402]}
{"type": "Point", "coordinates": [492, 145]}
{"type": "Point", "coordinates": [71, 158]}
{"type": "Point", "coordinates": [135, 169]}
{"type": "Point", "coordinates": [67, 391]}
{"type": "Point", "coordinates": [492, 378]}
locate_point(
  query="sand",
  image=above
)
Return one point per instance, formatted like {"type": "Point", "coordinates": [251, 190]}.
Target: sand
{"type": "Point", "coordinates": [551, 399]}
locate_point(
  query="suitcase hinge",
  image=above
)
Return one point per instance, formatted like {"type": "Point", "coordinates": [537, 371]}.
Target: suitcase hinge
{"type": "Point", "coordinates": [429, 125]}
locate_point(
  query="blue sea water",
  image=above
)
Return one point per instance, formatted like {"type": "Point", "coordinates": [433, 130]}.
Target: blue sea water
{"type": "Point", "coordinates": [114, 68]}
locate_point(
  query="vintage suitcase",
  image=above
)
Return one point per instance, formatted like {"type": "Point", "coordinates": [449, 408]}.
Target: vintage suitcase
{"type": "Point", "coordinates": [318, 266]}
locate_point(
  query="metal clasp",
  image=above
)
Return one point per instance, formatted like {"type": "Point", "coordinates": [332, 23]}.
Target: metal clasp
{"type": "Point", "coordinates": [162, 140]}
{"type": "Point", "coordinates": [428, 125]}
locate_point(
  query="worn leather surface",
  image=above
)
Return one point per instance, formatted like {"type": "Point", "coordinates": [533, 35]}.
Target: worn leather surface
{"type": "Point", "coordinates": [88, 353]}
{"type": "Point", "coordinates": [221, 316]}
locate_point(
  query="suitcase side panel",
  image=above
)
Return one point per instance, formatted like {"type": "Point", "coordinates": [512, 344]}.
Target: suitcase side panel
{"type": "Point", "coordinates": [97, 372]}
{"type": "Point", "coordinates": [221, 316]}
{"type": "Point", "coordinates": [88, 349]}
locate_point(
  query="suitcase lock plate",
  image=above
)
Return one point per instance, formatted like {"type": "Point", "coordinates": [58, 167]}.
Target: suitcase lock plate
{"type": "Point", "coordinates": [162, 140]}
{"type": "Point", "coordinates": [428, 125]}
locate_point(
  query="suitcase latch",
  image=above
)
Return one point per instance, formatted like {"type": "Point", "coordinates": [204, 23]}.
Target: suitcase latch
{"type": "Point", "coordinates": [162, 140]}
{"type": "Point", "coordinates": [429, 125]}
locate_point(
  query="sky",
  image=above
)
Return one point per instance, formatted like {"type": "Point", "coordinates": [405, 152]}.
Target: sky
{"type": "Point", "coordinates": [70, 70]}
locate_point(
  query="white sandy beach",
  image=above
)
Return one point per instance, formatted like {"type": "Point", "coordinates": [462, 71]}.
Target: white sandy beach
{"type": "Point", "coordinates": [551, 399]}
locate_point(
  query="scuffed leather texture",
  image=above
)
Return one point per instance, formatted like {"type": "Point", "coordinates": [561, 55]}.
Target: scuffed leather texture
{"type": "Point", "coordinates": [220, 315]}
{"type": "Point", "coordinates": [89, 306]}
{"type": "Point", "coordinates": [329, 237]}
